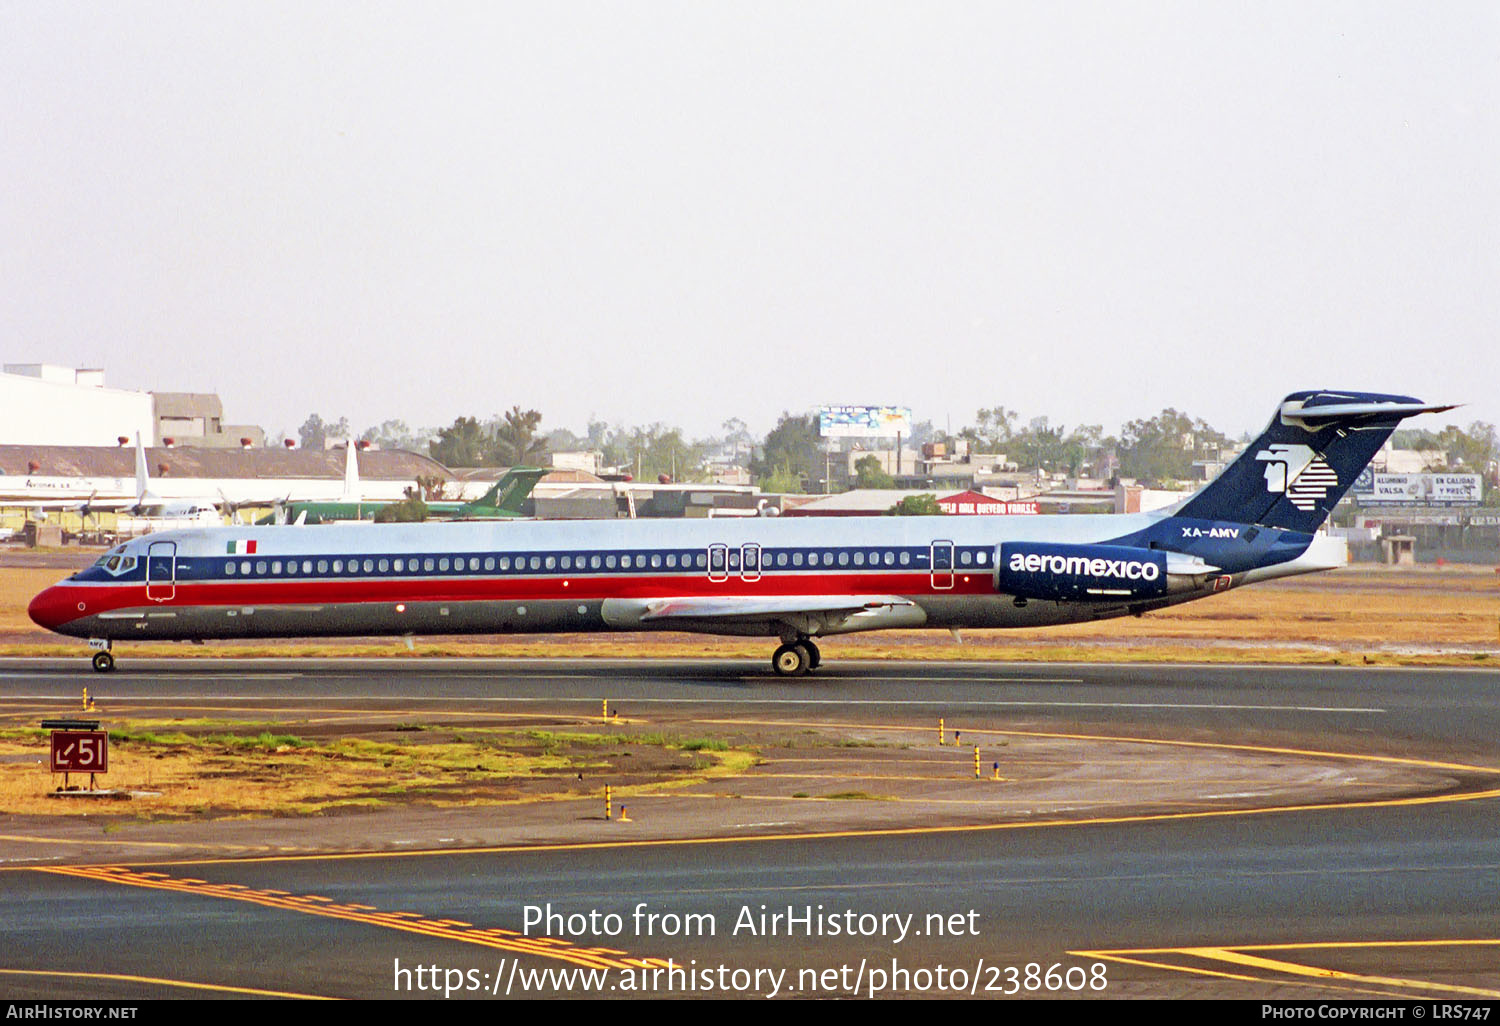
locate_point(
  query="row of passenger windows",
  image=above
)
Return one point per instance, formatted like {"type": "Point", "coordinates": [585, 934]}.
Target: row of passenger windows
{"type": "Point", "coordinates": [629, 561]}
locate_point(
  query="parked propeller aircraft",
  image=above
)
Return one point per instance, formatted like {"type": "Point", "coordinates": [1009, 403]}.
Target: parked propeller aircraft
{"type": "Point", "coordinates": [792, 579]}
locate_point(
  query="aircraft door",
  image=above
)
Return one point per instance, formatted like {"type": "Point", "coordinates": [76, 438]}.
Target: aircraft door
{"type": "Point", "coordinates": [718, 562]}
{"type": "Point", "coordinates": [750, 562]}
{"type": "Point", "coordinates": [942, 565]}
{"type": "Point", "coordinates": [161, 571]}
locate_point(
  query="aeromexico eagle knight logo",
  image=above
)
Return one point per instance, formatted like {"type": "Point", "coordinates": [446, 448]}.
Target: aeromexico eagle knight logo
{"type": "Point", "coordinates": [1298, 472]}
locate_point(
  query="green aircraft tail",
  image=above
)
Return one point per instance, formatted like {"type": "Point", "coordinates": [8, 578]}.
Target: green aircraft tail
{"type": "Point", "coordinates": [508, 494]}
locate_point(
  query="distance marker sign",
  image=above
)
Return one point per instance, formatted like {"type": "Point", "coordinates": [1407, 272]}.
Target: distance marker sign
{"type": "Point", "coordinates": [80, 751]}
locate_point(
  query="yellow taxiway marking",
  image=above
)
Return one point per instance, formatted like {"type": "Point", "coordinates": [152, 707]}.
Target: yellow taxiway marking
{"type": "Point", "coordinates": [117, 842]}
{"type": "Point", "coordinates": [160, 982]}
{"type": "Point", "coordinates": [818, 835]}
{"type": "Point", "coordinates": [1240, 977]}
{"type": "Point", "coordinates": [1245, 955]}
{"type": "Point", "coordinates": [317, 905]}
{"type": "Point", "coordinates": [1155, 817]}
{"type": "Point", "coordinates": [1392, 760]}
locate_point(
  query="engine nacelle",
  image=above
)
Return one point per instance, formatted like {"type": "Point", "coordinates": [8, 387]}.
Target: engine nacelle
{"type": "Point", "coordinates": [1043, 570]}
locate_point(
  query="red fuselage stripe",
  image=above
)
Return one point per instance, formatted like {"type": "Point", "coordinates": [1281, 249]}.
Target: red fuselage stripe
{"type": "Point", "coordinates": [102, 598]}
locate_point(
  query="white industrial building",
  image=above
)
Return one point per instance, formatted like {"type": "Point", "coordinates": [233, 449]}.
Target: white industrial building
{"type": "Point", "coordinates": [44, 404]}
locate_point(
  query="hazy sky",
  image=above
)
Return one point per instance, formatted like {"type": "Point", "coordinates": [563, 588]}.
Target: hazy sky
{"type": "Point", "coordinates": [691, 211]}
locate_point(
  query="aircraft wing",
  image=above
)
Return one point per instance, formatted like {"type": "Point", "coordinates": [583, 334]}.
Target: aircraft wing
{"type": "Point", "coordinates": [762, 608]}
{"type": "Point", "coordinates": [769, 614]}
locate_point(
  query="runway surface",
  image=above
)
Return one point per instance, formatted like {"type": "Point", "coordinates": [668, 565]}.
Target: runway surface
{"type": "Point", "coordinates": [1387, 893]}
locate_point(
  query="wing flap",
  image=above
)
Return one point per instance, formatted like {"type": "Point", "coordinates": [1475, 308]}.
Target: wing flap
{"type": "Point", "coordinates": [758, 608]}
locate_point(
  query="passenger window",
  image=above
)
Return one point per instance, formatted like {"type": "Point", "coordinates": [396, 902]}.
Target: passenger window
{"type": "Point", "coordinates": [859, 559]}
{"type": "Point", "coordinates": [671, 561]}
{"type": "Point", "coordinates": [322, 566]}
{"type": "Point", "coordinates": [594, 562]}
{"type": "Point", "coordinates": [655, 561]}
{"type": "Point", "coordinates": [551, 562]}
{"type": "Point", "coordinates": [905, 558]}
{"type": "Point", "coordinates": [229, 568]}
{"type": "Point", "coordinates": [536, 563]}
{"type": "Point", "coordinates": [443, 563]}
{"type": "Point", "coordinates": [260, 566]}
{"type": "Point", "coordinates": [796, 559]}
{"type": "Point", "coordinates": [338, 566]}
{"type": "Point", "coordinates": [843, 559]}
{"type": "Point", "coordinates": [489, 563]}
{"type": "Point", "coordinates": [276, 566]}
{"type": "Point", "coordinates": [369, 566]}
{"type": "Point", "coordinates": [504, 562]}
{"type": "Point", "coordinates": [890, 558]}
{"type": "Point", "coordinates": [385, 565]}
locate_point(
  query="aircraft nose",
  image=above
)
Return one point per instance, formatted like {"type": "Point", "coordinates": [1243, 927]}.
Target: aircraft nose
{"type": "Point", "coordinates": [53, 608]}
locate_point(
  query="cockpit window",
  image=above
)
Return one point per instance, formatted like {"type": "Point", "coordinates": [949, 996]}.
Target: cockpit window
{"type": "Point", "coordinates": [113, 563]}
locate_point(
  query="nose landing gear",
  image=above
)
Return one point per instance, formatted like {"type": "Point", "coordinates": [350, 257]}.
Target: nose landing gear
{"type": "Point", "coordinates": [103, 660]}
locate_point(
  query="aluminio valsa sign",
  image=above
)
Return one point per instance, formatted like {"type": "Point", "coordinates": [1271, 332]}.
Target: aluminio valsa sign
{"type": "Point", "coordinates": [1425, 489]}
{"type": "Point", "coordinates": [1040, 570]}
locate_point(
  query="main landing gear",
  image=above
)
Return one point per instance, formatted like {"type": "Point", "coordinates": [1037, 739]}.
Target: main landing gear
{"type": "Point", "coordinates": [796, 659]}
{"type": "Point", "coordinates": [104, 661]}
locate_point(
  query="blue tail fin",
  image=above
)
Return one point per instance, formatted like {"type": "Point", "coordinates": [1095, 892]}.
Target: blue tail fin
{"type": "Point", "coordinates": [1302, 464]}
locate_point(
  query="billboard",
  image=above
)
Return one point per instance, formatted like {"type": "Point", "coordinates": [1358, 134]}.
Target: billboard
{"type": "Point", "coordinates": [1425, 490]}
{"type": "Point", "coordinates": [864, 421]}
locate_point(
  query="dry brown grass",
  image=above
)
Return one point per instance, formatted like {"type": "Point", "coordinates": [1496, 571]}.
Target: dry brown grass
{"type": "Point", "coordinates": [220, 769]}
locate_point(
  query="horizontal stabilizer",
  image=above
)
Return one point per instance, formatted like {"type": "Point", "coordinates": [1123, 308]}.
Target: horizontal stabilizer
{"type": "Point", "coordinates": [1302, 414]}
{"type": "Point", "coordinates": [1306, 459]}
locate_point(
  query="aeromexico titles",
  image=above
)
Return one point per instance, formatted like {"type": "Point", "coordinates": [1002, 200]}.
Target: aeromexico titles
{"type": "Point", "coordinates": [790, 579]}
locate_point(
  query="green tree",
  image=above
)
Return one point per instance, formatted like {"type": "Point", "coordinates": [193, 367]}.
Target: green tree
{"type": "Point", "coordinates": [394, 434]}
{"type": "Point", "coordinates": [655, 450]}
{"type": "Point", "coordinates": [924, 505]}
{"type": "Point", "coordinates": [461, 445]}
{"type": "Point", "coordinates": [313, 433]}
{"type": "Point", "coordinates": [514, 439]}
{"type": "Point", "coordinates": [316, 433]}
{"type": "Point", "coordinates": [869, 474]}
{"type": "Point", "coordinates": [408, 511]}
{"type": "Point", "coordinates": [993, 431]}
{"type": "Point", "coordinates": [789, 452]}
{"type": "Point", "coordinates": [782, 481]}
{"type": "Point", "coordinates": [1163, 448]}
{"type": "Point", "coordinates": [1473, 451]}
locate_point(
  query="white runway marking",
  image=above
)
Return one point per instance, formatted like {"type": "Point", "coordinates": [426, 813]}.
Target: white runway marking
{"type": "Point", "coordinates": [501, 699]}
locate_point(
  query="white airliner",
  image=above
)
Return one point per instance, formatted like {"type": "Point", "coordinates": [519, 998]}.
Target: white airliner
{"type": "Point", "coordinates": [791, 579]}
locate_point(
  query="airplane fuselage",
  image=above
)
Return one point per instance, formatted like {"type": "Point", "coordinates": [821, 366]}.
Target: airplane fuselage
{"type": "Point", "coordinates": [531, 577]}
{"type": "Point", "coordinates": [793, 579]}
